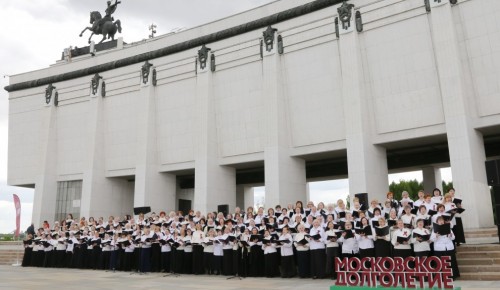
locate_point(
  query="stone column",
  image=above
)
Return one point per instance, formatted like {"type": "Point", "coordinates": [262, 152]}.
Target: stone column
{"type": "Point", "coordinates": [244, 196]}
{"type": "Point", "coordinates": [466, 146]}
{"type": "Point", "coordinates": [152, 188]}
{"type": "Point", "coordinates": [214, 184]}
{"type": "Point", "coordinates": [44, 203]}
{"type": "Point", "coordinates": [285, 176]}
{"type": "Point", "coordinates": [432, 179]}
{"type": "Point", "coordinates": [367, 163]}
{"type": "Point", "coordinates": [96, 199]}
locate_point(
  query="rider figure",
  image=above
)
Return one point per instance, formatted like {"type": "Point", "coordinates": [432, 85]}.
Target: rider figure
{"type": "Point", "coordinates": [109, 11]}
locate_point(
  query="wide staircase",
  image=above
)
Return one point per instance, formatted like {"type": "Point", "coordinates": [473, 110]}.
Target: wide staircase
{"type": "Point", "coordinates": [479, 259]}
{"type": "Point", "coordinates": [11, 253]}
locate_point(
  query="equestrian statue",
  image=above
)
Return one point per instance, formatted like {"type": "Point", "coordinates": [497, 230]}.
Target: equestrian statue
{"type": "Point", "coordinates": [104, 25]}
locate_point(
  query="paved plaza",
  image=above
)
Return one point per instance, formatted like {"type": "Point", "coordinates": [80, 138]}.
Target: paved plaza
{"type": "Point", "coordinates": [40, 279]}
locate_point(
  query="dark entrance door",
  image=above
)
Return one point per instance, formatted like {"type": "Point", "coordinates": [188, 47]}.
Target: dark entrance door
{"type": "Point", "coordinates": [184, 206]}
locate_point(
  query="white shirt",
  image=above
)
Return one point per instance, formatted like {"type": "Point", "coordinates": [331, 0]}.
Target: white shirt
{"type": "Point", "coordinates": [267, 246]}
{"type": "Point", "coordinates": [349, 246]}
{"type": "Point", "coordinates": [319, 244]}
{"type": "Point", "coordinates": [406, 233]}
{"type": "Point", "coordinates": [443, 243]}
{"type": "Point", "coordinates": [299, 237]}
{"type": "Point", "coordinates": [420, 246]}
{"type": "Point", "coordinates": [287, 248]}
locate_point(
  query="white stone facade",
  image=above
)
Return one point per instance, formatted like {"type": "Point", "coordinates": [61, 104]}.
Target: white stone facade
{"type": "Point", "coordinates": [409, 75]}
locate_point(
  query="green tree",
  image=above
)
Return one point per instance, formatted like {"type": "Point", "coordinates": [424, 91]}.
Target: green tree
{"type": "Point", "coordinates": [446, 186]}
{"type": "Point", "coordinates": [412, 186]}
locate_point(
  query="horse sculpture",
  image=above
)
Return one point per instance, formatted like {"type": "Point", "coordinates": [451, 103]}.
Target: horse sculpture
{"type": "Point", "coordinates": [104, 26]}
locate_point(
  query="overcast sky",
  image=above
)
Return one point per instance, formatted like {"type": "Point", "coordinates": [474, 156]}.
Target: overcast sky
{"type": "Point", "coordinates": [35, 32]}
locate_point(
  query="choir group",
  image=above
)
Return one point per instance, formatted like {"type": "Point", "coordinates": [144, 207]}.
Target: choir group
{"type": "Point", "coordinates": [287, 241]}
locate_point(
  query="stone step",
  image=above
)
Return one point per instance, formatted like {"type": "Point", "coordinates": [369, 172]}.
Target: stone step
{"type": "Point", "coordinates": [482, 230]}
{"type": "Point", "coordinates": [478, 269]}
{"type": "Point", "coordinates": [479, 248]}
{"type": "Point", "coordinates": [481, 233]}
{"type": "Point", "coordinates": [478, 255]}
{"type": "Point", "coordinates": [483, 276]}
{"type": "Point", "coordinates": [478, 262]}
{"type": "Point", "coordinates": [481, 241]}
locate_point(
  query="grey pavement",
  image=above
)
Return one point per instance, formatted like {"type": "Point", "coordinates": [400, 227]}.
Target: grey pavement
{"type": "Point", "coordinates": [40, 279]}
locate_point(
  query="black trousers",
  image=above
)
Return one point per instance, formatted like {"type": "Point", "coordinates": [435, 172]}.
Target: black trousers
{"type": "Point", "coordinates": [188, 263]}
{"type": "Point", "coordinates": [454, 264]}
{"type": "Point", "coordinates": [271, 265]}
{"type": "Point", "coordinates": [318, 258]}
{"type": "Point", "coordinates": [198, 260]}
{"type": "Point", "coordinates": [287, 266]}
{"type": "Point", "coordinates": [129, 261]}
{"type": "Point", "coordinates": [145, 260]}
{"type": "Point", "coordinates": [304, 264]}
{"type": "Point", "coordinates": [227, 262]}
{"type": "Point", "coordinates": [165, 261]}
{"type": "Point", "coordinates": [331, 254]}
{"type": "Point", "coordinates": [217, 264]}
{"type": "Point", "coordinates": [207, 262]}
{"type": "Point", "coordinates": [27, 257]}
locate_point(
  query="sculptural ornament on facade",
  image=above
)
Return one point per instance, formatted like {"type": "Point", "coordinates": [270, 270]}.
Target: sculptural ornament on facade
{"type": "Point", "coordinates": [105, 26]}
{"type": "Point", "coordinates": [345, 14]}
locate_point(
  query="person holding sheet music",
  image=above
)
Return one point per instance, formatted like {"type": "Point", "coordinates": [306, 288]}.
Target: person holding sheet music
{"type": "Point", "coordinates": [409, 219]}
{"type": "Point", "coordinates": [286, 252]}
{"type": "Point", "coordinates": [401, 241]}
{"type": "Point", "coordinates": [364, 236]}
{"type": "Point", "coordinates": [188, 253]}
{"type": "Point", "coordinates": [441, 211]}
{"type": "Point", "coordinates": [377, 214]}
{"type": "Point", "coordinates": [256, 255]}
{"type": "Point", "coordinates": [405, 196]}
{"type": "Point", "coordinates": [458, 229]}
{"type": "Point", "coordinates": [332, 249]}
{"type": "Point", "coordinates": [96, 250]}
{"type": "Point", "coordinates": [421, 240]}
{"type": "Point", "coordinates": [218, 254]}
{"type": "Point", "coordinates": [197, 239]}
{"type": "Point", "coordinates": [270, 256]}
{"type": "Point", "coordinates": [443, 237]}
{"type": "Point", "coordinates": [437, 197]}
{"type": "Point", "coordinates": [390, 197]}
{"type": "Point", "coordinates": [129, 247]}
{"type": "Point", "coordinates": [317, 250]}
{"type": "Point", "coordinates": [208, 252]}
{"type": "Point", "coordinates": [350, 247]}
{"type": "Point", "coordinates": [301, 243]}
{"type": "Point", "coordinates": [155, 246]}
{"type": "Point", "coordinates": [382, 239]}
{"type": "Point", "coordinates": [423, 215]}
{"type": "Point", "coordinates": [428, 203]}
{"type": "Point", "coordinates": [373, 205]}
{"type": "Point", "coordinates": [145, 241]}
{"type": "Point", "coordinates": [420, 200]}
{"type": "Point", "coordinates": [28, 250]}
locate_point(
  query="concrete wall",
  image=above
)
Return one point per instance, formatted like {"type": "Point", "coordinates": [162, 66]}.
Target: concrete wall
{"type": "Point", "coordinates": [353, 94]}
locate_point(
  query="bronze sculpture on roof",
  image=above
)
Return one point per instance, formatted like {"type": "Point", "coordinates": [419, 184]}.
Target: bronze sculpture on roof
{"type": "Point", "coordinates": [105, 26]}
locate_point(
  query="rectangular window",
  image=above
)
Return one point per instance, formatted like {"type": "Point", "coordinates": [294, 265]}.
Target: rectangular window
{"type": "Point", "coordinates": [69, 194]}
